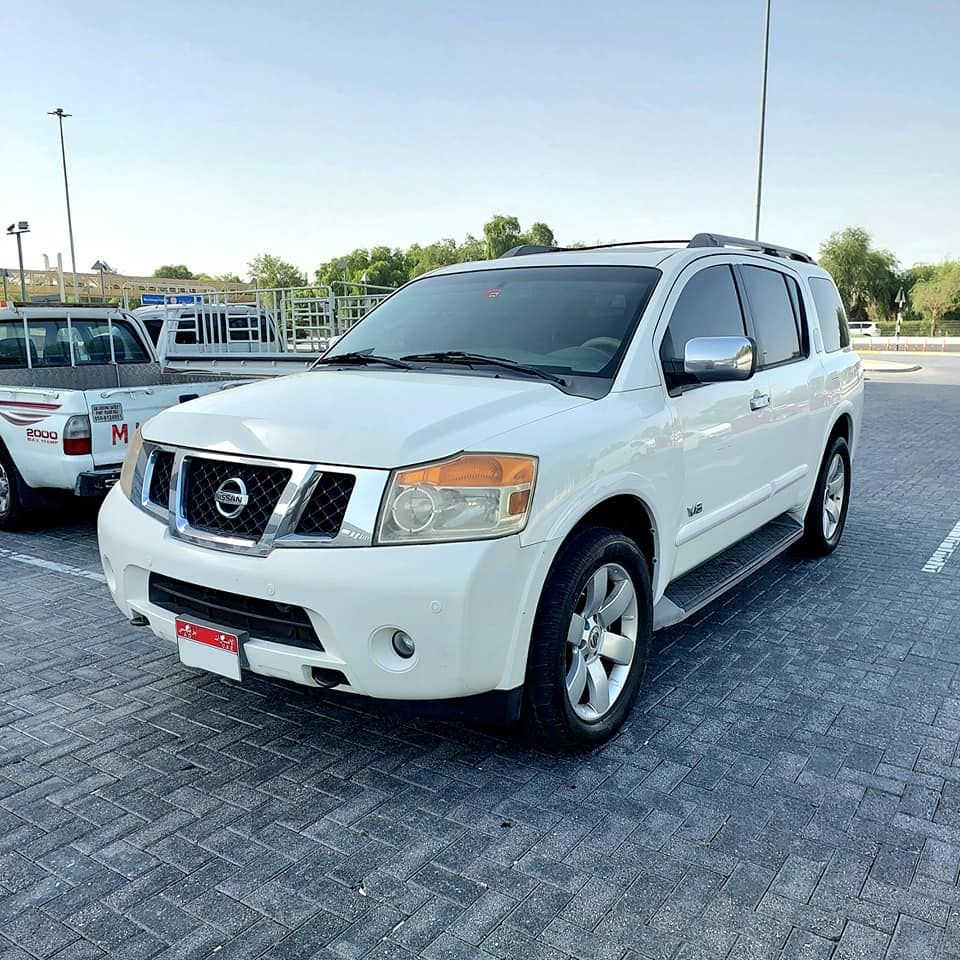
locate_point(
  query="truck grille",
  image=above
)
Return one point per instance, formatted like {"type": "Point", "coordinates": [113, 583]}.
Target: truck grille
{"type": "Point", "coordinates": [159, 492]}
{"type": "Point", "coordinates": [323, 514]}
{"type": "Point", "coordinates": [264, 486]}
{"type": "Point", "coordinates": [261, 619]}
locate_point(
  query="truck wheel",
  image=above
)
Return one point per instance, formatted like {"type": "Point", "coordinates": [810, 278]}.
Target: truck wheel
{"type": "Point", "coordinates": [11, 500]}
{"type": "Point", "coordinates": [827, 513]}
{"type": "Point", "coordinates": [590, 641]}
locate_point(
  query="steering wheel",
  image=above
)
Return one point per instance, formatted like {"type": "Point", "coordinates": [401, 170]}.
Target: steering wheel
{"type": "Point", "coordinates": [602, 343]}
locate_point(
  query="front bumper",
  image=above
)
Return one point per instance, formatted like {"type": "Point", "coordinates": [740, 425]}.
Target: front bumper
{"type": "Point", "coordinates": [468, 606]}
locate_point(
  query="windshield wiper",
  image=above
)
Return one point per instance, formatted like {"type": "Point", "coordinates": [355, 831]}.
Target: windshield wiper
{"type": "Point", "coordinates": [362, 359]}
{"type": "Point", "coordinates": [479, 359]}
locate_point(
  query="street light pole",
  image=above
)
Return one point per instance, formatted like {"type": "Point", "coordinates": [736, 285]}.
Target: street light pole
{"type": "Point", "coordinates": [101, 266]}
{"type": "Point", "coordinates": [59, 114]}
{"type": "Point", "coordinates": [763, 118]}
{"type": "Point", "coordinates": [17, 230]}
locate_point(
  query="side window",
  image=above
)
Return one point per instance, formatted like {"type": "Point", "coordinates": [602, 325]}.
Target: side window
{"type": "Point", "coordinates": [774, 315]}
{"type": "Point", "coordinates": [708, 306]}
{"type": "Point", "coordinates": [833, 318]}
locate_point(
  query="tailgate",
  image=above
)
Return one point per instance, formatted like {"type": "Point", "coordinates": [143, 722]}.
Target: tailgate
{"type": "Point", "coordinates": [116, 414]}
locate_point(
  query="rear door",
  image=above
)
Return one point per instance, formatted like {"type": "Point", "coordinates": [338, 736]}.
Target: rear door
{"type": "Point", "coordinates": [777, 317]}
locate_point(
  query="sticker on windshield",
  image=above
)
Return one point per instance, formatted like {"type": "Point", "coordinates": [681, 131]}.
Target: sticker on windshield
{"type": "Point", "coordinates": [495, 292]}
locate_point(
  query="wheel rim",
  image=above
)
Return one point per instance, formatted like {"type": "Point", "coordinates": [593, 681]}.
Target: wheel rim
{"type": "Point", "coordinates": [833, 496]}
{"type": "Point", "coordinates": [601, 642]}
{"type": "Point", "coordinates": [4, 492]}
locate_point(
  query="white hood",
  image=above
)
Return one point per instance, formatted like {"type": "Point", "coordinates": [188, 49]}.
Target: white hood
{"type": "Point", "coordinates": [360, 418]}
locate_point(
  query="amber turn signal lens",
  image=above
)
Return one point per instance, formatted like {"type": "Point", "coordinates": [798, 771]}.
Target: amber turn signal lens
{"type": "Point", "coordinates": [474, 470]}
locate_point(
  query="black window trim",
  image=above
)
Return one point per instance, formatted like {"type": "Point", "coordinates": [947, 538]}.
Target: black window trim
{"type": "Point", "coordinates": [704, 264]}
{"type": "Point", "coordinates": [796, 303]}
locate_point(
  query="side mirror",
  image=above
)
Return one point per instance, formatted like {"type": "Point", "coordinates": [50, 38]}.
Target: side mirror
{"type": "Point", "coordinates": [716, 359]}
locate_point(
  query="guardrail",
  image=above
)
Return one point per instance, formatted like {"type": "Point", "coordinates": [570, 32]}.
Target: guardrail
{"type": "Point", "coordinates": [908, 344]}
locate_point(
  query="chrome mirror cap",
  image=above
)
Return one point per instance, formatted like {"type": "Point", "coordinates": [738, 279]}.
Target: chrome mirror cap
{"type": "Point", "coordinates": [715, 359]}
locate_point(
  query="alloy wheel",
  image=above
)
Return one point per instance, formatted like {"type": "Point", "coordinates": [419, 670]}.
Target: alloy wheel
{"type": "Point", "coordinates": [601, 642]}
{"type": "Point", "coordinates": [5, 494]}
{"type": "Point", "coordinates": [833, 495]}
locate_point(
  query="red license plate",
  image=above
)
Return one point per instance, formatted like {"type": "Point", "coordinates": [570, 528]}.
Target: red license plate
{"type": "Point", "coordinates": [219, 639]}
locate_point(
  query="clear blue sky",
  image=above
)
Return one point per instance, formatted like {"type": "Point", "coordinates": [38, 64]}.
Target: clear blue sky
{"type": "Point", "coordinates": [205, 132]}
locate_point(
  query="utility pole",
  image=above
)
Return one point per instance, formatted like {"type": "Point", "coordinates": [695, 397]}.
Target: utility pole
{"type": "Point", "coordinates": [763, 118]}
{"type": "Point", "coordinates": [59, 114]}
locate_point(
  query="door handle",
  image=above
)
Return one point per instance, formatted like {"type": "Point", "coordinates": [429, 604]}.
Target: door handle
{"type": "Point", "coordinates": [759, 400]}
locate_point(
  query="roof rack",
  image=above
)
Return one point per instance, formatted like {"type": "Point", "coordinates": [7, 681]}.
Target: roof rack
{"type": "Point", "coordinates": [699, 240]}
{"type": "Point", "coordinates": [528, 248]}
{"type": "Point", "coordinates": [771, 249]}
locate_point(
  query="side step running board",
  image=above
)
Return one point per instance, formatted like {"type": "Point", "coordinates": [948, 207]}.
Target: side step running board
{"type": "Point", "coordinates": [695, 589]}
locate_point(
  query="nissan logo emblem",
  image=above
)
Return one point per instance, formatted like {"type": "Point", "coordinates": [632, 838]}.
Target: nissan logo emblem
{"type": "Point", "coordinates": [231, 498]}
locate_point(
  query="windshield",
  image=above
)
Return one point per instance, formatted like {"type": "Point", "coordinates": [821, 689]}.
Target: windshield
{"type": "Point", "coordinates": [574, 321]}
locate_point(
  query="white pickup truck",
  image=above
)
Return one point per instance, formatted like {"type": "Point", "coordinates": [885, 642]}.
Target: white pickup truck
{"type": "Point", "coordinates": [493, 489]}
{"type": "Point", "coordinates": [75, 384]}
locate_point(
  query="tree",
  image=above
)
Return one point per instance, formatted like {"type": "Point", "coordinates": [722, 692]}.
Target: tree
{"type": "Point", "coordinates": [501, 233]}
{"type": "Point", "coordinates": [540, 234]}
{"type": "Point", "coordinates": [867, 278]}
{"type": "Point", "coordinates": [175, 271]}
{"type": "Point", "coordinates": [939, 294]}
{"type": "Point", "coordinates": [268, 271]}
{"type": "Point", "coordinates": [227, 278]}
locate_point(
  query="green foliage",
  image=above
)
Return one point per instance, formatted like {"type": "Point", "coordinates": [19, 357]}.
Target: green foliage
{"type": "Point", "coordinates": [867, 278]}
{"type": "Point", "coordinates": [501, 233]}
{"type": "Point", "coordinates": [174, 271]}
{"type": "Point", "coordinates": [392, 267]}
{"type": "Point", "coordinates": [269, 271]}
{"type": "Point", "coordinates": [937, 296]}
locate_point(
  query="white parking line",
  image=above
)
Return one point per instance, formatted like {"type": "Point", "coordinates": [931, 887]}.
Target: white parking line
{"type": "Point", "coordinates": [51, 566]}
{"type": "Point", "coordinates": [943, 553]}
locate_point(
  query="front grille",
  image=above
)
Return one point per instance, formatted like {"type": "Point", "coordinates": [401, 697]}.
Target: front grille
{"type": "Point", "coordinates": [159, 492]}
{"type": "Point", "coordinates": [264, 487]}
{"type": "Point", "coordinates": [261, 619]}
{"type": "Point", "coordinates": [323, 514]}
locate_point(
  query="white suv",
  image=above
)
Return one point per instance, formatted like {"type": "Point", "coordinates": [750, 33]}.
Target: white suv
{"type": "Point", "coordinates": [500, 482]}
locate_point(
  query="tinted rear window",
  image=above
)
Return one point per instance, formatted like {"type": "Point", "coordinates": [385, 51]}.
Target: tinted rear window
{"type": "Point", "coordinates": [833, 318]}
{"type": "Point", "coordinates": [48, 343]}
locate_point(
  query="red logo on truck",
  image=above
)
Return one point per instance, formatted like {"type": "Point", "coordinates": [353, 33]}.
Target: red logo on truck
{"type": "Point", "coordinates": [120, 433]}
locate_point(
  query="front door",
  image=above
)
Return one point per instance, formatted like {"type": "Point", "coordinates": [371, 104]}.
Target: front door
{"type": "Point", "coordinates": [722, 484]}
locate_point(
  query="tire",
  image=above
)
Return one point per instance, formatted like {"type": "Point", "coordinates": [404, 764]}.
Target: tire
{"type": "Point", "coordinates": [823, 526]}
{"type": "Point", "coordinates": [570, 637]}
{"type": "Point", "coordinates": [12, 510]}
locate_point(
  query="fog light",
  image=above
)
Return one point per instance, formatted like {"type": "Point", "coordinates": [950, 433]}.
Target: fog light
{"type": "Point", "coordinates": [403, 644]}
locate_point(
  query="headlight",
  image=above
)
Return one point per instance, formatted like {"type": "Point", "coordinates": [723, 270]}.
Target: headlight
{"type": "Point", "coordinates": [129, 469]}
{"type": "Point", "coordinates": [472, 497]}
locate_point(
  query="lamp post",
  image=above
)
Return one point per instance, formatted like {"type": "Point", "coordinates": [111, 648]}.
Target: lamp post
{"type": "Point", "coordinates": [17, 230]}
{"type": "Point", "coordinates": [763, 118]}
{"type": "Point", "coordinates": [60, 114]}
{"type": "Point", "coordinates": [103, 268]}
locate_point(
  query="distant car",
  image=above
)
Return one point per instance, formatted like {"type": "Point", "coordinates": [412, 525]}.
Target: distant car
{"type": "Point", "coordinates": [863, 329]}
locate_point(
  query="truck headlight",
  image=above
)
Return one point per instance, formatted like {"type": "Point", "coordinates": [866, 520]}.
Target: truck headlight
{"type": "Point", "coordinates": [473, 496]}
{"type": "Point", "coordinates": [128, 472]}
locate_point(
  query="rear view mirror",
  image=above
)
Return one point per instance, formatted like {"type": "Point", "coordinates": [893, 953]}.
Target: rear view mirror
{"type": "Point", "coordinates": [715, 359]}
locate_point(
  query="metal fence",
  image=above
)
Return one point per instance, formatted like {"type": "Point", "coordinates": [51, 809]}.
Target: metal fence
{"type": "Point", "coordinates": [908, 344]}
{"type": "Point", "coordinates": [302, 320]}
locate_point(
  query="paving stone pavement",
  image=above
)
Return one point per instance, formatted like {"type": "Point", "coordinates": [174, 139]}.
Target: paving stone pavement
{"type": "Point", "coordinates": [787, 787]}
